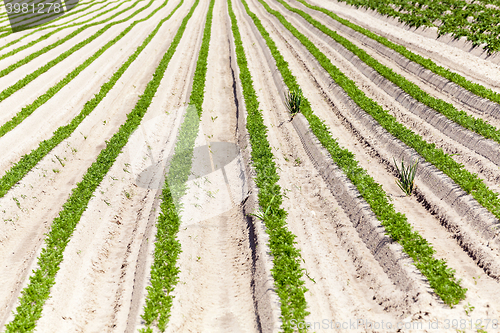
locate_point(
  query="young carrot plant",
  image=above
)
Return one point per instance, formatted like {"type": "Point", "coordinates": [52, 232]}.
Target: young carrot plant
{"type": "Point", "coordinates": [287, 273]}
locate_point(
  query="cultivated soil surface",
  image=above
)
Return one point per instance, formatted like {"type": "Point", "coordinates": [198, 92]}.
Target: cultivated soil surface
{"type": "Point", "coordinates": [225, 261]}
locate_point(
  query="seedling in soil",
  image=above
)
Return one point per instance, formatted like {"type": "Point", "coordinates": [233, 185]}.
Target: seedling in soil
{"type": "Point", "coordinates": [293, 99]}
{"type": "Point", "coordinates": [406, 177]}
{"type": "Point", "coordinates": [59, 159]}
{"type": "Point", "coordinates": [468, 308]}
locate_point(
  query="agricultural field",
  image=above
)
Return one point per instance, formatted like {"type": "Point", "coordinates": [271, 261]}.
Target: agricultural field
{"type": "Point", "coordinates": [251, 166]}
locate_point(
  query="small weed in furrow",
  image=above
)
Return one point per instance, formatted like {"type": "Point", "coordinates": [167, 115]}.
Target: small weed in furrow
{"type": "Point", "coordinates": [476, 125]}
{"type": "Point", "coordinates": [287, 273]}
{"type": "Point", "coordinates": [468, 181]}
{"type": "Point", "coordinates": [441, 277]}
{"type": "Point", "coordinates": [33, 297]}
{"type": "Point", "coordinates": [164, 272]}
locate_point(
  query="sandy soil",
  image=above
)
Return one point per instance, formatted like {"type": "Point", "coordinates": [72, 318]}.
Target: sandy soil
{"type": "Point", "coordinates": [71, 98]}
{"type": "Point", "coordinates": [456, 59]}
{"type": "Point", "coordinates": [54, 53]}
{"type": "Point", "coordinates": [215, 291]}
{"type": "Point", "coordinates": [324, 233]}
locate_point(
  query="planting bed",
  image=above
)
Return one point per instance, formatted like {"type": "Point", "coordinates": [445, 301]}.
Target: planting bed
{"type": "Point", "coordinates": [152, 178]}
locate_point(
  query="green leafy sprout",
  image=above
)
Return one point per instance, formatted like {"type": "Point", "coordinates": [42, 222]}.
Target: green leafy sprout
{"type": "Point", "coordinates": [406, 176]}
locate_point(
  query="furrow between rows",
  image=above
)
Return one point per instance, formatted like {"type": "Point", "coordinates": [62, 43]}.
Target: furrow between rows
{"type": "Point", "coordinates": [70, 161]}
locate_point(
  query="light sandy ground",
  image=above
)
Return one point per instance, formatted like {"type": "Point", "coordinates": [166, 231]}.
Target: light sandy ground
{"type": "Point", "coordinates": [71, 98]}
{"type": "Point", "coordinates": [374, 52]}
{"type": "Point", "coordinates": [339, 289]}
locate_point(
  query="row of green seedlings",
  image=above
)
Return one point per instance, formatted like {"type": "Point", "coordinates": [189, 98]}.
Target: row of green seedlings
{"type": "Point", "coordinates": [427, 63]}
{"type": "Point", "coordinates": [23, 12]}
{"type": "Point", "coordinates": [8, 30]}
{"type": "Point", "coordinates": [36, 54]}
{"type": "Point", "coordinates": [441, 278]}
{"type": "Point", "coordinates": [34, 295]}
{"type": "Point", "coordinates": [460, 18]}
{"type": "Point", "coordinates": [476, 125]}
{"type": "Point", "coordinates": [28, 19]}
{"type": "Point", "coordinates": [287, 274]}
{"type": "Point", "coordinates": [468, 181]}
{"type": "Point", "coordinates": [53, 31]}
{"type": "Point", "coordinates": [52, 91]}
{"type": "Point", "coordinates": [164, 270]}
{"type": "Point", "coordinates": [27, 162]}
